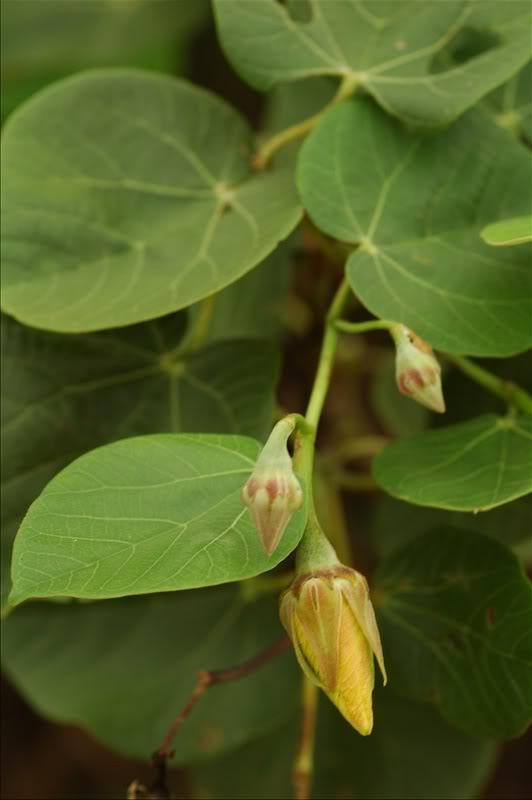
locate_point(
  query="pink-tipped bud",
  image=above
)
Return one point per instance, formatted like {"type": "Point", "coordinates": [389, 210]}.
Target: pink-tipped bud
{"type": "Point", "coordinates": [417, 371]}
{"type": "Point", "coordinates": [329, 617]}
{"type": "Point", "coordinates": [273, 492]}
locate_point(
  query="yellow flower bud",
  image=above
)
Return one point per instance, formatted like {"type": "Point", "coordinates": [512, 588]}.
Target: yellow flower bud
{"type": "Point", "coordinates": [417, 371]}
{"type": "Point", "coordinates": [329, 617]}
{"type": "Point", "coordinates": [273, 492]}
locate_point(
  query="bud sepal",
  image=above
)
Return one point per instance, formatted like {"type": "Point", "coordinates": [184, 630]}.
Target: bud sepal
{"type": "Point", "coordinates": [417, 371]}
{"type": "Point", "coordinates": [273, 492]}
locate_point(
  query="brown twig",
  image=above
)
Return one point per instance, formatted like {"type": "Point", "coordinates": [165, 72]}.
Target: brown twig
{"type": "Point", "coordinates": [206, 679]}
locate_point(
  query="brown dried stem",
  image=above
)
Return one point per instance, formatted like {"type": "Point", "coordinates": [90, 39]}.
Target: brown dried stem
{"type": "Point", "coordinates": [206, 679]}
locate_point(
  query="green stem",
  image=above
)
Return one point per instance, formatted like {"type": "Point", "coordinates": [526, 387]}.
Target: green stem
{"type": "Point", "coordinates": [512, 394]}
{"type": "Point", "coordinates": [264, 155]}
{"type": "Point", "coordinates": [361, 327]}
{"type": "Point", "coordinates": [314, 546]}
{"type": "Point", "coordinates": [328, 351]}
{"type": "Point", "coordinates": [304, 762]}
{"type": "Point", "coordinates": [203, 322]}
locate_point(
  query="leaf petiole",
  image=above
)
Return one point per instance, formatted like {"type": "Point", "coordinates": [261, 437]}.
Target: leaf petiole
{"type": "Point", "coordinates": [514, 395]}
{"type": "Point", "coordinates": [347, 87]}
{"type": "Point", "coordinates": [361, 327]}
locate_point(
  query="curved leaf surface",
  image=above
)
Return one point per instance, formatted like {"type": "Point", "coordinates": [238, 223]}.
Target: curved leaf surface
{"type": "Point", "coordinates": [64, 395]}
{"type": "Point", "coordinates": [389, 48]}
{"type": "Point", "coordinates": [416, 206]}
{"type": "Point", "coordinates": [141, 204]}
{"type": "Point", "coordinates": [148, 514]}
{"type": "Point", "coordinates": [472, 466]}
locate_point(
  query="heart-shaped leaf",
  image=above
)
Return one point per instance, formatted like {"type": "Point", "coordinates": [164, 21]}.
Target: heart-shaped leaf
{"type": "Point", "coordinates": [147, 514]}
{"type": "Point", "coordinates": [472, 466]}
{"type": "Point", "coordinates": [454, 615]}
{"type": "Point", "coordinates": [389, 48]}
{"type": "Point", "coordinates": [128, 195]}
{"type": "Point", "coordinates": [64, 395]}
{"type": "Point", "coordinates": [416, 206]}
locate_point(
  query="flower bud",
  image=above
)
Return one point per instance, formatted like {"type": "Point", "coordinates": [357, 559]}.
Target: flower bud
{"type": "Point", "coordinates": [417, 372]}
{"type": "Point", "coordinates": [273, 492]}
{"type": "Point", "coordinates": [330, 619]}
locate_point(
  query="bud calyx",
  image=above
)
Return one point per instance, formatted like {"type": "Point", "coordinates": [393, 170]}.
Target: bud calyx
{"type": "Point", "coordinates": [417, 371]}
{"type": "Point", "coordinates": [273, 492]}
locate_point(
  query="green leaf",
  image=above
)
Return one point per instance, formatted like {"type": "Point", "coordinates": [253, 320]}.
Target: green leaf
{"type": "Point", "coordinates": [64, 395]}
{"type": "Point", "coordinates": [142, 204]}
{"type": "Point", "coordinates": [123, 669]}
{"type": "Point", "coordinates": [455, 612]}
{"type": "Point", "coordinates": [416, 206]}
{"type": "Point", "coordinates": [508, 232]}
{"type": "Point", "coordinates": [147, 514]}
{"type": "Point", "coordinates": [388, 48]}
{"type": "Point", "coordinates": [412, 754]}
{"type": "Point", "coordinates": [472, 466]}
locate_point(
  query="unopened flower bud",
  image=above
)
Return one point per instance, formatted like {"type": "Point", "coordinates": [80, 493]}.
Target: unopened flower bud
{"type": "Point", "coordinates": [329, 617]}
{"type": "Point", "coordinates": [273, 492]}
{"type": "Point", "coordinates": [417, 371]}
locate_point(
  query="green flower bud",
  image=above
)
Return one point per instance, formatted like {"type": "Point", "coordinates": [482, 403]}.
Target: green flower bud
{"type": "Point", "coordinates": [273, 492]}
{"type": "Point", "coordinates": [417, 371]}
{"type": "Point", "coordinates": [330, 619]}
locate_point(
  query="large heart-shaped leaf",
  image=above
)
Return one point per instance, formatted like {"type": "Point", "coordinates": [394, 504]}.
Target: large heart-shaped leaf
{"type": "Point", "coordinates": [147, 514]}
{"type": "Point", "coordinates": [123, 669]}
{"type": "Point", "coordinates": [472, 466]}
{"type": "Point", "coordinates": [64, 395]}
{"type": "Point", "coordinates": [128, 195]}
{"type": "Point", "coordinates": [416, 206]}
{"type": "Point", "coordinates": [388, 47]}
{"type": "Point", "coordinates": [454, 614]}
{"type": "Point", "coordinates": [412, 754]}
